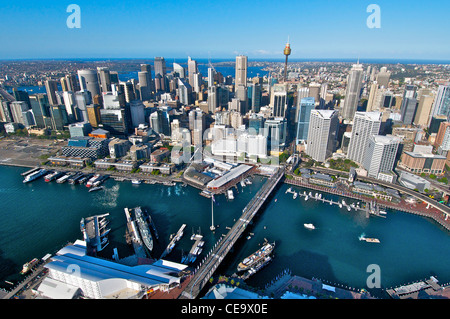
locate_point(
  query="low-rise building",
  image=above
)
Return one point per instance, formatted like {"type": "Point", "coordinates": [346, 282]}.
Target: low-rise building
{"type": "Point", "coordinates": [423, 163]}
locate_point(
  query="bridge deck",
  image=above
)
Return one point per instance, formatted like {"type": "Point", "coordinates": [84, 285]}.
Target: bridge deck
{"type": "Point", "coordinates": [224, 245]}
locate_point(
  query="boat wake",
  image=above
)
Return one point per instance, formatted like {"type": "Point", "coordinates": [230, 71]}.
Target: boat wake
{"type": "Point", "coordinates": [109, 197]}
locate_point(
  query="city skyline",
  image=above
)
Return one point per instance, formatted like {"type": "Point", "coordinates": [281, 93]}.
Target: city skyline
{"type": "Point", "coordinates": [139, 30]}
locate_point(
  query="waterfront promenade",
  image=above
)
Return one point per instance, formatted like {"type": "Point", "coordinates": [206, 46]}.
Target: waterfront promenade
{"type": "Point", "coordinates": [418, 209]}
{"type": "Point", "coordinates": [206, 269]}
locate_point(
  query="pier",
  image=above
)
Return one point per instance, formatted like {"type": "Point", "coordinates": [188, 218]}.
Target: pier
{"type": "Point", "coordinates": [133, 236]}
{"type": "Point", "coordinates": [214, 258]}
{"type": "Point", "coordinates": [173, 241]}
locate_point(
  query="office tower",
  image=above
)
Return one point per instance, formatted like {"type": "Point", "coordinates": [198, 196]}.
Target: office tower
{"type": "Point", "coordinates": [409, 105]}
{"type": "Point", "coordinates": [441, 134]}
{"type": "Point", "coordinates": [58, 117]}
{"type": "Point", "coordinates": [211, 77]}
{"type": "Point", "coordinates": [242, 95]}
{"type": "Point", "coordinates": [213, 99]}
{"type": "Point", "coordinates": [314, 91]}
{"type": "Point", "coordinates": [105, 79]}
{"type": "Point", "coordinates": [127, 88]}
{"type": "Point", "coordinates": [160, 66]}
{"type": "Point", "coordinates": [302, 92]}
{"type": "Point", "coordinates": [424, 110]}
{"type": "Point", "coordinates": [255, 124]}
{"type": "Point", "coordinates": [82, 99]}
{"type": "Point", "coordinates": [160, 121]}
{"type": "Point", "coordinates": [322, 133]}
{"type": "Point", "coordinates": [380, 154]}
{"type": "Point", "coordinates": [72, 83]}
{"type": "Point", "coordinates": [184, 92]}
{"type": "Point", "coordinates": [279, 100]}
{"type": "Point", "coordinates": [69, 103]}
{"type": "Point", "coordinates": [192, 69]}
{"type": "Point", "coordinates": [5, 111]}
{"type": "Point", "coordinates": [241, 70]}
{"type": "Point", "coordinates": [93, 112]}
{"type": "Point", "coordinates": [365, 124]}
{"type": "Point", "coordinates": [51, 87]}
{"type": "Point", "coordinates": [383, 77]}
{"type": "Point", "coordinates": [254, 97]}
{"type": "Point", "coordinates": [287, 52]}
{"type": "Point", "coordinates": [17, 110]}
{"type": "Point", "coordinates": [275, 130]}
{"type": "Point", "coordinates": [116, 121]}
{"type": "Point", "coordinates": [144, 85]}
{"type": "Point", "coordinates": [80, 129]}
{"type": "Point", "coordinates": [371, 103]}
{"type": "Point", "coordinates": [198, 81]}
{"type": "Point", "coordinates": [354, 83]}
{"type": "Point", "coordinates": [178, 70]}
{"type": "Point", "coordinates": [88, 80]}
{"type": "Point", "coordinates": [137, 113]}
{"type": "Point", "coordinates": [21, 96]}
{"type": "Point", "coordinates": [306, 105]}
{"type": "Point", "coordinates": [41, 109]}
{"type": "Point", "coordinates": [441, 104]}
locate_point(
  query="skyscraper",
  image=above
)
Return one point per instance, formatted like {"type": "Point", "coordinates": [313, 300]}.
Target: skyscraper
{"type": "Point", "coordinates": [365, 124]}
{"type": "Point", "coordinates": [306, 105]}
{"type": "Point", "coordinates": [241, 70]}
{"type": "Point", "coordinates": [89, 82]}
{"type": "Point", "coordinates": [322, 132]}
{"type": "Point", "coordinates": [279, 100]}
{"type": "Point", "coordinates": [144, 85]}
{"type": "Point", "coordinates": [380, 154]}
{"type": "Point", "coordinates": [409, 105]}
{"type": "Point", "coordinates": [178, 69]}
{"type": "Point", "coordinates": [441, 104]}
{"type": "Point", "coordinates": [51, 87]}
{"type": "Point", "coordinates": [424, 110]}
{"type": "Point", "coordinates": [105, 79]}
{"type": "Point", "coordinates": [160, 66]}
{"type": "Point", "coordinates": [383, 77]}
{"type": "Point", "coordinates": [192, 69]}
{"type": "Point", "coordinates": [354, 83]}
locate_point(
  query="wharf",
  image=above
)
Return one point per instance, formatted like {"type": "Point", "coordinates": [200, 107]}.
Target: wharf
{"type": "Point", "coordinates": [195, 250]}
{"type": "Point", "coordinates": [94, 232]}
{"type": "Point", "coordinates": [173, 241]}
{"type": "Point", "coordinates": [419, 290]}
{"type": "Point", "coordinates": [30, 171]}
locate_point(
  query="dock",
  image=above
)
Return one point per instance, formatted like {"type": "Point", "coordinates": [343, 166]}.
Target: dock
{"type": "Point", "coordinates": [368, 208]}
{"type": "Point", "coordinates": [413, 290]}
{"type": "Point", "coordinates": [196, 249]}
{"type": "Point", "coordinates": [94, 232]}
{"type": "Point", "coordinates": [30, 171]}
{"type": "Point", "coordinates": [173, 241]}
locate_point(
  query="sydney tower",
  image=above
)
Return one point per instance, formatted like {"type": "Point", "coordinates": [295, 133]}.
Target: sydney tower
{"type": "Point", "coordinates": [287, 52]}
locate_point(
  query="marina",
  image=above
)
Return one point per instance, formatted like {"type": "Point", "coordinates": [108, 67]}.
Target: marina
{"type": "Point", "coordinates": [196, 249]}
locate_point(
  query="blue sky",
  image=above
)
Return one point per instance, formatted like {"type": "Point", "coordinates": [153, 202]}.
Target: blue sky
{"type": "Point", "coordinates": [222, 29]}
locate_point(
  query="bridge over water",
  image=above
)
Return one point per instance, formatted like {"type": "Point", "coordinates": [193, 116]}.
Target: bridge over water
{"type": "Point", "coordinates": [224, 245]}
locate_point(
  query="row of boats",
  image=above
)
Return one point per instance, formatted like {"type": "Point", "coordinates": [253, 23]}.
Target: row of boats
{"type": "Point", "coordinates": [92, 181]}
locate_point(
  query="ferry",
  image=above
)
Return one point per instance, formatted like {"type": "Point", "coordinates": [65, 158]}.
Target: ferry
{"type": "Point", "coordinates": [100, 180]}
{"type": "Point", "coordinates": [55, 175]}
{"type": "Point", "coordinates": [63, 179]}
{"type": "Point", "coordinates": [309, 226]}
{"type": "Point", "coordinates": [97, 188]}
{"type": "Point", "coordinates": [256, 257]}
{"type": "Point", "coordinates": [136, 181]}
{"type": "Point", "coordinates": [369, 240]}
{"type": "Point", "coordinates": [35, 175]}
{"type": "Point", "coordinates": [93, 179]}
{"type": "Point", "coordinates": [230, 194]}
{"type": "Point", "coordinates": [84, 178]}
{"type": "Point", "coordinates": [295, 195]}
{"type": "Point", "coordinates": [73, 180]}
{"type": "Point", "coordinates": [256, 268]}
{"type": "Point", "coordinates": [27, 266]}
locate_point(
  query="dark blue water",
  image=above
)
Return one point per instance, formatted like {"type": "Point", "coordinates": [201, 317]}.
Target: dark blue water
{"type": "Point", "coordinates": [39, 218]}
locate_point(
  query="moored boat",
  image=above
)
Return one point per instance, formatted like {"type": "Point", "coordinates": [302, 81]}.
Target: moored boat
{"type": "Point", "coordinates": [256, 257]}
{"type": "Point", "coordinates": [28, 266]}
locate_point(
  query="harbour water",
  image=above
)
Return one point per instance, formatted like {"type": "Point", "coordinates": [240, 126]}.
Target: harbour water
{"type": "Point", "coordinates": [39, 218]}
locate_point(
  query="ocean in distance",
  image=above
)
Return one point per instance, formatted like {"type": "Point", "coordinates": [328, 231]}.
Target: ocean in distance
{"type": "Point", "coordinates": [39, 218]}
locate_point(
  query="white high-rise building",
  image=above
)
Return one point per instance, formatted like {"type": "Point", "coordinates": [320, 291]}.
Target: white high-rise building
{"type": "Point", "coordinates": [323, 125]}
{"type": "Point", "coordinates": [365, 124]}
{"type": "Point", "coordinates": [380, 154]}
{"type": "Point", "coordinates": [192, 69]}
{"type": "Point", "coordinates": [354, 83]}
{"type": "Point", "coordinates": [241, 70]}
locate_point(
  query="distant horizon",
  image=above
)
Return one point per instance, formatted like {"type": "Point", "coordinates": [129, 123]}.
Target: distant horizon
{"type": "Point", "coordinates": [259, 59]}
